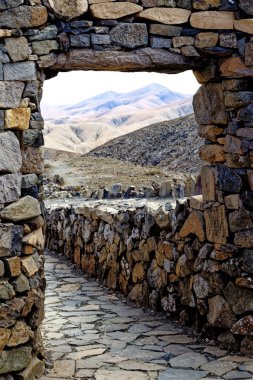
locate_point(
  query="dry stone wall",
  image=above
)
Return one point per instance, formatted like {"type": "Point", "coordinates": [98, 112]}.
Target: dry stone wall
{"type": "Point", "coordinates": [39, 38]}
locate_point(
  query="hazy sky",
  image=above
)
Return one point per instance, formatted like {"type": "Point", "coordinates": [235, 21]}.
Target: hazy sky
{"type": "Point", "coordinates": [75, 86]}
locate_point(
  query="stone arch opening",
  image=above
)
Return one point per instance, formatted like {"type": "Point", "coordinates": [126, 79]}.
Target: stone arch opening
{"type": "Point", "coordinates": [213, 39]}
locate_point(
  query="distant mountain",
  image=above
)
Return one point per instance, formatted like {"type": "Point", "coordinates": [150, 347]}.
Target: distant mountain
{"type": "Point", "coordinates": [94, 121]}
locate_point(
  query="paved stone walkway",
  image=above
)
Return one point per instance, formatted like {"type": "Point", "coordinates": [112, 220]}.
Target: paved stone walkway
{"type": "Point", "coordinates": [91, 334]}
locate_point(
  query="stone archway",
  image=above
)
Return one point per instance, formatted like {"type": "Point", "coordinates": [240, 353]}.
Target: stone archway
{"type": "Point", "coordinates": [212, 38]}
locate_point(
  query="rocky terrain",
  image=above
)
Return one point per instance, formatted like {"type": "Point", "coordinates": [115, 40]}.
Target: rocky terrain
{"type": "Point", "coordinates": [172, 145]}
{"type": "Point", "coordinates": [91, 123]}
{"type": "Point", "coordinates": [162, 160]}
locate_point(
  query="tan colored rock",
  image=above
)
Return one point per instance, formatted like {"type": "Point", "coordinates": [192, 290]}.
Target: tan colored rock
{"type": "Point", "coordinates": [24, 17]}
{"type": "Point", "coordinates": [17, 118]}
{"type": "Point", "coordinates": [17, 48]}
{"type": "Point", "coordinates": [69, 9]}
{"type": "Point", "coordinates": [212, 153]}
{"type": "Point", "coordinates": [25, 208]}
{"type": "Point", "coordinates": [210, 132]}
{"type": "Point", "coordinates": [5, 33]}
{"type": "Point", "coordinates": [35, 239]}
{"type": "Point", "coordinates": [195, 225]}
{"type": "Point", "coordinates": [171, 16]}
{"type": "Point", "coordinates": [234, 67]}
{"type": "Point", "coordinates": [29, 266]}
{"type": "Point", "coordinates": [249, 54]}
{"type": "Point", "coordinates": [4, 337]}
{"type": "Point", "coordinates": [205, 4]}
{"type": "Point", "coordinates": [182, 41]}
{"type": "Point", "coordinates": [196, 202]}
{"type": "Point", "coordinates": [212, 20]}
{"type": "Point", "coordinates": [13, 265]}
{"type": "Point", "coordinates": [138, 273]}
{"type": "Point", "coordinates": [165, 30]}
{"type": "Point", "coordinates": [206, 39]}
{"type": "Point", "coordinates": [216, 224]}
{"type": "Point", "coordinates": [220, 313]}
{"type": "Point", "coordinates": [232, 201]}
{"type": "Point", "coordinates": [114, 10]}
{"type": "Point", "coordinates": [20, 334]}
{"type": "Point", "coordinates": [244, 25]}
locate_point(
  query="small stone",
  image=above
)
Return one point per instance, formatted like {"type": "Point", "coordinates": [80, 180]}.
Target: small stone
{"type": "Point", "coordinates": [17, 48]}
{"type": "Point", "coordinates": [10, 188]}
{"type": "Point", "coordinates": [240, 220]}
{"type": "Point", "coordinates": [130, 35]}
{"type": "Point", "coordinates": [228, 40]}
{"type": "Point", "coordinates": [212, 153]}
{"type": "Point", "coordinates": [247, 346]}
{"type": "Point", "coordinates": [35, 239]}
{"type": "Point", "coordinates": [15, 359]}
{"type": "Point", "coordinates": [10, 240]}
{"type": "Point", "coordinates": [194, 224]}
{"type": "Point", "coordinates": [234, 375]}
{"type": "Point", "coordinates": [248, 54]}
{"type": "Point", "coordinates": [206, 39]}
{"type": "Point", "coordinates": [210, 132]}
{"type": "Point", "coordinates": [165, 30]}
{"type": "Point", "coordinates": [48, 33]}
{"type": "Point", "coordinates": [114, 11]}
{"type": "Point", "coordinates": [10, 154]}
{"type": "Point", "coordinates": [81, 40]}
{"type": "Point", "coordinates": [100, 39]}
{"type": "Point", "coordinates": [182, 41]}
{"type": "Point", "coordinates": [20, 334]}
{"type": "Point", "coordinates": [6, 290]}
{"type": "Point", "coordinates": [23, 17]}
{"type": "Point", "coordinates": [160, 43]}
{"type": "Point", "coordinates": [206, 4]}
{"type": "Point", "coordinates": [182, 374]}
{"type": "Point", "coordinates": [171, 16]}
{"type": "Point", "coordinates": [216, 224]}
{"type": "Point", "coordinates": [244, 239]}
{"type": "Point", "coordinates": [244, 326]}
{"type": "Point", "coordinates": [232, 201]}
{"type": "Point", "coordinates": [208, 183]}
{"type": "Point", "coordinates": [220, 314]}
{"type": "Point", "coordinates": [4, 337]}
{"type": "Point", "coordinates": [189, 51]}
{"type": "Point", "coordinates": [247, 259]}
{"type": "Point", "coordinates": [13, 266]}
{"type": "Point", "coordinates": [44, 47]}
{"type": "Point", "coordinates": [234, 67]}
{"type": "Point", "coordinates": [188, 360]}
{"type": "Point", "coordinates": [34, 370]}
{"type": "Point", "coordinates": [26, 208]}
{"type": "Point", "coordinates": [239, 299]}
{"type": "Point", "coordinates": [21, 284]}
{"type": "Point", "coordinates": [69, 10]}
{"type": "Point", "coordinates": [32, 160]}
{"type": "Point", "coordinates": [20, 71]}
{"type": "Point", "coordinates": [212, 20]}
{"type": "Point", "coordinates": [219, 367]}
{"type": "Point", "coordinates": [29, 266]}
{"type": "Point", "coordinates": [17, 118]}
{"type": "Point", "coordinates": [10, 94]}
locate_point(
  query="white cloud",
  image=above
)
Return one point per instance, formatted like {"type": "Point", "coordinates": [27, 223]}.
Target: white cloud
{"type": "Point", "coordinates": [75, 86]}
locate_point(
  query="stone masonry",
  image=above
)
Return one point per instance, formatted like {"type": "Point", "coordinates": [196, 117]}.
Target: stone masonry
{"type": "Point", "coordinates": [213, 38]}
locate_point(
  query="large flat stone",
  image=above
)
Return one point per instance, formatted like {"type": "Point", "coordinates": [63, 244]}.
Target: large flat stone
{"type": "Point", "coordinates": [10, 154]}
{"type": "Point", "coordinates": [188, 360]}
{"type": "Point", "coordinates": [24, 209]}
{"type": "Point", "coordinates": [212, 20]}
{"type": "Point", "coordinates": [23, 17]}
{"type": "Point", "coordinates": [10, 94]}
{"type": "Point", "coordinates": [20, 71]}
{"type": "Point", "coordinates": [114, 10]}
{"type": "Point", "coordinates": [69, 9]}
{"type": "Point", "coordinates": [171, 16]}
{"type": "Point", "coordinates": [10, 187]}
{"type": "Point", "coordinates": [182, 374]}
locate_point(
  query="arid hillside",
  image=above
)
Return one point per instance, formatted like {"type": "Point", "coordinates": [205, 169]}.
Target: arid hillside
{"type": "Point", "coordinates": [85, 126]}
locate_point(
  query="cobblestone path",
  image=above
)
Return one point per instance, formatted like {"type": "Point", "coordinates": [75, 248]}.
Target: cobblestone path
{"type": "Point", "coordinates": [90, 333]}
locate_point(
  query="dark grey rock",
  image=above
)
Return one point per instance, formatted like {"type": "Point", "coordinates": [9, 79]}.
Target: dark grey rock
{"type": "Point", "coordinates": [247, 259]}
{"type": "Point", "coordinates": [48, 33]}
{"type": "Point", "coordinates": [29, 180]}
{"type": "Point", "coordinates": [21, 284]}
{"type": "Point", "coordinates": [100, 39]}
{"type": "Point", "coordinates": [246, 6]}
{"type": "Point", "coordinates": [240, 220]}
{"type": "Point", "coordinates": [20, 71]}
{"type": "Point", "coordinates": [81, 40]}
{"type": "Point", "coordinates": [130, 35]}
{"type": "Point", "coordinates": [228, 180]}
{"type": "Point", "coordinates": [7, 4]}
{"type": "Point", "coordinates": [10, 240]}
{"type": "Point", "coordinates": [33, 137]}
{"type": "Point", "coordinates": [246, 114]}
{"type": "Point", "coordinates": [239, 299]}
{"type": "Point", "coordinates": [159, 43]}
{"type": "Point", "coordinates": [10, 153]}
{"type": "Point", "coordinates": [10, 187]}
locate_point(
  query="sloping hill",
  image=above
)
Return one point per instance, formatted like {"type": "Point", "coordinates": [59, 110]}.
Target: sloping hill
{"type": "Point", "coordinates": [172, 145]}
{"type": "Point", "coordinates": [84, 126]}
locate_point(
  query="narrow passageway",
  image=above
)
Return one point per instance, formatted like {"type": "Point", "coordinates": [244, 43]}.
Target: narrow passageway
{"type": "Point", "coordinates": [89, 333]}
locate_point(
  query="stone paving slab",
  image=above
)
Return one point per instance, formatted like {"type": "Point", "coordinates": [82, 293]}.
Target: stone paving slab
{"type": "Point", "coordinates": [90, 334]}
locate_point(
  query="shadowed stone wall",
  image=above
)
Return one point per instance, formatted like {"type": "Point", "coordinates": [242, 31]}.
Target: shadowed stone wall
{"type": "Point", "coordinates": [41, 38]}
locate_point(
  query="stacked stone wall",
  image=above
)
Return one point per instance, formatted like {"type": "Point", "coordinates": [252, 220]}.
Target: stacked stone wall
{"type": "Point", "coordinates": [175, 261]}
{"type": "Point", "coordinates": [39, 38]}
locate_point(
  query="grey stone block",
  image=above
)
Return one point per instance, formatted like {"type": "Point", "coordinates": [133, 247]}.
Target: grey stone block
{"type": "Point", "coordinates": [21, 71]}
